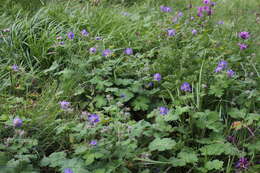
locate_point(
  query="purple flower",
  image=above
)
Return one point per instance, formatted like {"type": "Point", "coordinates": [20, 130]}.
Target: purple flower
{"type": "Point", "coordinates": [92, 50]}
{"type": "Point", "coordinates": [93, 142]}
{"type": "Point", "coordinates": [223, 64]}
{"type": "Point", "coordinates": [186, 87]}
{"type": "Point", "coordinates": [157, 76]}
{"type": "Point", "coordinates": [15, 68]}
{"type": "Point", "coordinates": [61, 42]}
{"type": "Point", "coordinates": [206, 1]}
{"type": "Point", "coordinates": [242, 46]}
{"type": "Point", "coordinates": [171, 32]}
{"type": "Point", "coordinates": [192, 18]}
{"type": "Point", "coordinates": [218, 69]}
{"type": "Point", "coordinates": [150, 85]}
{"type": "Point", "coordinates": [128, 51]}
{"type": "Point", "coordinates": [71, 35]}
{"type": "Point", "coordinates": [165, 9]}
{"type": "Point", "coordinates": [98, 38]}
{"type": "Point", "coordinates": [244, 35]}
{"type": "Point", "coordinates": [213, 4]}
{"type": "Point", "coordinates": [230, 73]}
{"type": "Point", "coordinates": [84, 32]}
{"type": "Point", "coordinates": [163, 110]}
{"type": "Point", "coordinates": [194, 32]}
{"type": "Point", "coordinates": [17, 122]}
{"type": "Point", "coordinates": [180, 14]}
{"type": "Point", "coordinates": [242, 163]}
{"type": "Point", "coordinates": [106, 53]}
{"type": "Point", "coordinates": [68, 170]}
{"type": "Point", "coordinates": [93, 118]}
{"type": "Point", "coordinates": [64, 105]}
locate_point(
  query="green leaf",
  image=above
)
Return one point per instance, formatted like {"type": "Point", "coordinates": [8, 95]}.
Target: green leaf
{"type": "Point", "coordinates": [188, 157]}
{"type": "Point", "coordinates": [237, 114]}
{"type": "Point", "coordinates": [54, 160]}
{"type": "Point", "coordinates": [162, 144]}
{"type": "Point", "coordinates": [218, 149]}
{"type": "Point", "coordinates": [89, 158]}
{"type": "Point", "coordinates": [215, 164]}
{"type": "Point", "coordinates": [177, 162]}
{"type": "Point", "coordinates": [100, 101]}
{"type": "Point", "coordinates": [141, 103]}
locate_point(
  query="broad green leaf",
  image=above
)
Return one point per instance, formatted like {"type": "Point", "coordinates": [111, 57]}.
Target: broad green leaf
{"type": "Point", "coordinates": [162, 144]}
{"type": "Point", "coordinates": [215, 164]}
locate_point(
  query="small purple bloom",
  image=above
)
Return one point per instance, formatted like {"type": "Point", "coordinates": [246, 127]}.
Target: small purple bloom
{"type": "Point", "coordinates": [200, 14]}
{"type": "Point", "coordinates": [122, 95]}
{"type": "Point", "coordinates": [213, 4]}
{"type": "Point", "coordinates": [244, 35]}
{"type": "Point", "coordinates": [186, 87]}
{"type": "Point", "coordinates": [128, 51]}
{"type": "Point", "coordinates": [17, 122]}
{"type": "Point", "coordinates": [15, 68]}
{"type": "Point", "coordinates": [180, 14]}
{"type": "Point", "coordinates": [106, 52]}
{"type": "Point", "coordinates": [68, 170]}
{"type": "Point", "coordinates": [92, 50]}
{"type": "Point", "coordinates": [218, 69]}
{"type": "Point", "coordinates": [165, 9]}
{"type": "Point", "coordinates": [84, 32]}
{"type": "Point", "coordinates": [194, 32]}
{"type": "Point", "coordinates": [93, 142]}
{"type": "Point", "coordinates": [242, 163]}
{"type": "Point", "coordinates": [61, 42]}
{"type": "Point", "coordinates": [157, 76]}
{"type": "Point", "coordinates": [150, 85]}
{"type": "Point", "coordinates": [171, 32]}
{"type": "Point", "coordinates": [230, 73]}
{"type": "Point", "coordinates": [93, 118]}
{"type": "Point", "coordinates": [206, 1]}
{"type": "Point", "coordinates": [192, 18]}
{"type": "Point", "coordinates": [98, 38]}
{"type": "Point", "coordinates": [71, 35]}
{"type": "Point", "coordinates": [64, 105]}
{"type": "Point", "coordinates": [163, 110]}
{"type": "Point", "coordinates": [242, 46]}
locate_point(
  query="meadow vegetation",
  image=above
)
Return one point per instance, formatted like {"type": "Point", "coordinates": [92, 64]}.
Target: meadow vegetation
{"type": "Point", "coordinates": [129, 86]}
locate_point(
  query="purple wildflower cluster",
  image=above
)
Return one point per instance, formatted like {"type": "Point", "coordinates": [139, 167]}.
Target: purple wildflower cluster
{"type": "Point", "coordinates": [222, 65]}
{"type": "Point", "coordinates": [206, 9]}
{"type": "Point", "coordinates": [244, 35]}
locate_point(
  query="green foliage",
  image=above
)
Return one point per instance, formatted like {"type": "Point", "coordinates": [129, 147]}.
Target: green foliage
{"type": "Point", "coordinates": [145, 125]}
